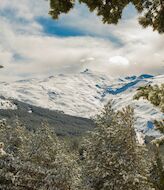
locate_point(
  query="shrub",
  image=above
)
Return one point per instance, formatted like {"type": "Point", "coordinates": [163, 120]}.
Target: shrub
{"type": "Point", "coordinates": [159, 125]}
{"type": "Point", "coordinates": [157, 171]}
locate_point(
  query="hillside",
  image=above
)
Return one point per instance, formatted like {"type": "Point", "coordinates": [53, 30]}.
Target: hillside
{"type": "Point", "coordinates": [84, 95]}
{"type": "Point", "coordinates": [32, 116]}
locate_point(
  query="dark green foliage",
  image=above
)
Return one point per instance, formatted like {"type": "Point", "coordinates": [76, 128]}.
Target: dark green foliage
{"type": "Point", "coordinates": [1, 66]}
{"type": "Point", "coordinates": [60, 6]}
{"type": "Point", "coordinates": [111, 10]}
{"type": "Point", "coordinates": [63, 125]}
{"type": "Point", "coordinates": [157, 172]}
{"type": "Point", "coordinates": [154, 15]}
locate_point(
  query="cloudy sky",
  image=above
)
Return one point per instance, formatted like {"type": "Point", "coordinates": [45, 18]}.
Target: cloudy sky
{"type": "Point", "coordinates": [34, 45]}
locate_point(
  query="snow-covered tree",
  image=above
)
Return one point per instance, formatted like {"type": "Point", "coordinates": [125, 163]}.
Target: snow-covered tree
{"type": "Point", "coordinates": [153, 93]}
{"type": "Point", "coordinates": [36, 161]}
{"type": "Point", "coordinates": [157, 171]}
{"type": "Point", "coordinates": [112, 157]}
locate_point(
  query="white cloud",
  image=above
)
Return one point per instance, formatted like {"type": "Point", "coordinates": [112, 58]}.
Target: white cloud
{"type": "Point", "coordinates": [119, 61]}
{"type": "Point", "coordinates": [42, 55]}
{"type": "Point", "coordinates": [26, 9]}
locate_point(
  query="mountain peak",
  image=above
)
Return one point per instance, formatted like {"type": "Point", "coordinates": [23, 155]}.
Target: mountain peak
{"type": "Point", "coordinates": [86, 71]}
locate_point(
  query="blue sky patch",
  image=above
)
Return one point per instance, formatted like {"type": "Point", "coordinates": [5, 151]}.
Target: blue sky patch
{"type": "Point", "coordinates": [129, 12]}
{"type": "Point", "coordinates": [52, 27]}
{"type": "Point", "coordinates": [55, 28]}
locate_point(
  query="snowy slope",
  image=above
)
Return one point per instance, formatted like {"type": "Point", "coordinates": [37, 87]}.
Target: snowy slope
{"type": "Point", "coordinates": [145, 113]}
{"type": "Point", "coordinates": [84, 95]}
{"type": "Point", "coordinates": [76, 95]}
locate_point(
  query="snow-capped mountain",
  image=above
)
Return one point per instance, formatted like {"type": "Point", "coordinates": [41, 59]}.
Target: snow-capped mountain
{"type": "Point", "coordinates": [85, 94]}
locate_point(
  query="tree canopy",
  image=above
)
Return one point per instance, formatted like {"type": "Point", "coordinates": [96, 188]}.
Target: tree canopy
{"type": "Point", "coordinates": [152, 11]}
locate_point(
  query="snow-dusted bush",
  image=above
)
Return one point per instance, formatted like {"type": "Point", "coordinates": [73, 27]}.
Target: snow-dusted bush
{"type": "Point", "coordinates": [2, 152]}
{"type": "Point", "coordinates": [16, 138]}
{"type": "Point", "coordinates": [155, 94]}
{"type": "Point", "coordinates": [36, 161]}
{"type": "Point", "coordinates": [159, 125]}
{"type": "Point", "coordinates": [157, 171]}
{"type": "Point", "coordinates": [112, 158]}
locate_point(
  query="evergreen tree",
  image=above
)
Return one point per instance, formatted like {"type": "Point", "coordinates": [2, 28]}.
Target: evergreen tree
{"type": "Point", "coordinates": [112, 157]}
{"type": "Point", "coordinates": [36, 161]}
{"type": "Point", "coordinates": [153, 93]}
{"type": "Point", "coordinates": [157, 172]}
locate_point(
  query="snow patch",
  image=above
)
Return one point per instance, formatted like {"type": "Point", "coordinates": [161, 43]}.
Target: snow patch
{"type": "Point", "coordinates": [7, 104]}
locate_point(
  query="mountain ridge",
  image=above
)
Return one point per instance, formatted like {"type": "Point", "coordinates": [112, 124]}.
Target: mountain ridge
{"type": "Point", "coordinates": [86, 93]}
